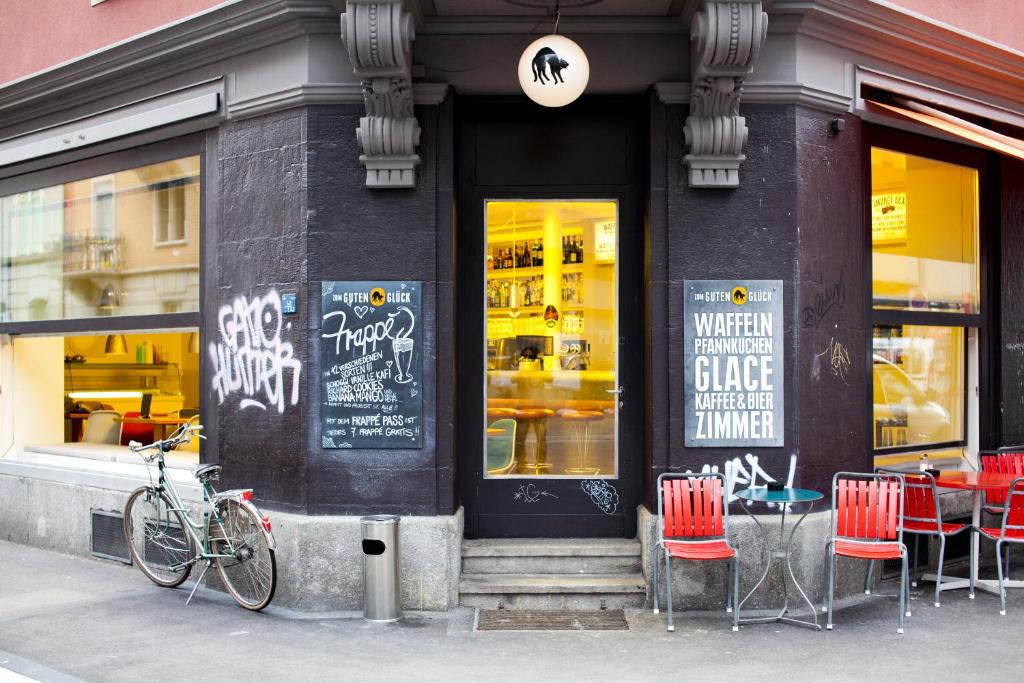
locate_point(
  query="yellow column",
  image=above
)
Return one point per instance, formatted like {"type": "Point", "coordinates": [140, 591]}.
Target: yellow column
{"type": "Point", "coordinates": [553, 271]}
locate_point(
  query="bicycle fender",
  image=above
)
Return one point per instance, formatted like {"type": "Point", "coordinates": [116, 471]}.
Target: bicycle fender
{"type": "Point", "coordinates": [238, 495]}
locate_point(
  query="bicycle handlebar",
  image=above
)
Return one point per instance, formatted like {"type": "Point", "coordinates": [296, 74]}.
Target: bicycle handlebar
{"type": "Point", "coordinates": [182, 434]}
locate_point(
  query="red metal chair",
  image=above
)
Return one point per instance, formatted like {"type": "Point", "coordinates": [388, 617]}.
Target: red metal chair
{"type": "Point", "coordinates": [1010, 531]}
{"type": "Point", "coordinates": [1004, 462]}
{"type": "Point", "coordinates": [135, 432]}
{"type": "Point", "coordinates": [922, 516]}
{"type": "Point", "coordinates": [867, 524]}
{"type": "Point", "coordinates": [693, 524]}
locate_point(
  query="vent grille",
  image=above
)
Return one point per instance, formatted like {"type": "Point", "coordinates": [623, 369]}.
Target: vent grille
{"type": "Point", "coordinates": [165, 544]}
{"type": "Point", "coordinates": [108, 536]}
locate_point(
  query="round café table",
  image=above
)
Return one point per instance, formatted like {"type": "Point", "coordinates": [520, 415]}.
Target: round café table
{"type": "Point", "coordinates": [978, 482]}
{"type": "Point", "coordinates": [782, 551]}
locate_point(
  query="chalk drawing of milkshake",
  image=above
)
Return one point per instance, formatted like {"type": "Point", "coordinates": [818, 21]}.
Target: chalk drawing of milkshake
{"type": "Point", "coordinates": [402, 348]}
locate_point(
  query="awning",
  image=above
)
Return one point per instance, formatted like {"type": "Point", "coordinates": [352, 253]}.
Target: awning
{"type": "Point", "coordinates": [950, 124]}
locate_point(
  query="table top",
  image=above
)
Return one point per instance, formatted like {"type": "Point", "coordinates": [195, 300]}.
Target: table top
{"type": "Point", "coordinates": [988, 481]}
{"type": "Point", "coordinates": [153, 420]}
{"type": "Point", "coordinates": [787, 495]}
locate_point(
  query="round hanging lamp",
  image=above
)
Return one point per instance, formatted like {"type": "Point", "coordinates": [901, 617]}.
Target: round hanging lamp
{"type": "Point", "coordinates": [553, 71]}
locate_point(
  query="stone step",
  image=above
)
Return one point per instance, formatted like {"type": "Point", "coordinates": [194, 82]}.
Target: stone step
{"type": "Point", "coordinates": [553, 591]}
{"type": "Point", "coordinates": [551, 556]}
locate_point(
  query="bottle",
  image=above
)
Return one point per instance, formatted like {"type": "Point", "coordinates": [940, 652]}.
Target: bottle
{"type": "Point", "coordinates": [923, 463]}
{"type": "Point", "coordinates": [540, 253]}
{"type": "Point", "coordinates": [579, 250]}
{"type": "Point", "coordinates": [565, 249]}
{"type": "Point", "coordinates": [490, 259]}
{"type": "Point", "coordinates": [573, 255]}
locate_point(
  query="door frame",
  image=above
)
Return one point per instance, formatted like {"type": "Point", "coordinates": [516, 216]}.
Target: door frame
{"type": "Point", "coordinates": [497, 507]}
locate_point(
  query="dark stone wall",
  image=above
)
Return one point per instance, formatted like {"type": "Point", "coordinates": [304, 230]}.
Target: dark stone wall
{"type": "Point", "coordinates": [1011, 303]}
{"type": "Point", "coordinates": [255, 227]}
{"type": "Point", "coordinates": [833, 374]}
{"type": "Point", "coordinates": [287, 208]}
{"type": "Point", "coordinates": [796, 216]}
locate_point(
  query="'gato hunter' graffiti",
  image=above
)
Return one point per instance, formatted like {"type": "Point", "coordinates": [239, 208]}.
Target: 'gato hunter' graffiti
{"type": "Point", "coordinates": [250, 358]}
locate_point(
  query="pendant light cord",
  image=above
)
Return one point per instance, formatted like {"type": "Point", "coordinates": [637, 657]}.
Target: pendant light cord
{"type": "Point", "coordinates": [558, 15]}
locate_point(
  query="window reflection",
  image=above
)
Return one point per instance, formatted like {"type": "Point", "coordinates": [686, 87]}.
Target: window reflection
{"type": "Point", "coordinates": [550, 302]}
{"type": "Point", "coordinates": [918, 375]}
{"type": "Point", "coordinates": [126, 243]}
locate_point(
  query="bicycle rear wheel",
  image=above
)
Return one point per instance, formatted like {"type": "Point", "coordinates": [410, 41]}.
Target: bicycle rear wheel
{"type": "Point", "coordinates": [157, 540]}
{"type": "Point", "coordinates": [246, 564]}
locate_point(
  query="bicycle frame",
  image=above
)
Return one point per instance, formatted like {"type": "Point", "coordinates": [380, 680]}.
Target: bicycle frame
{"type": "Point", "coordinates": [200, 531]}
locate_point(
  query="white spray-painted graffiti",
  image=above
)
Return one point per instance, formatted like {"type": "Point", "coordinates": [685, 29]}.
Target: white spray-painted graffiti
{"type": "Point", "coordinates": [602, 494]}
{"type": "Point", "coordinates": [250, 358]}
{"type": "Point", "coordinates": [737, 473]}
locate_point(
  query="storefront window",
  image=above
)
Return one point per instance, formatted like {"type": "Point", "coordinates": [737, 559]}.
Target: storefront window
{"type": "Point", "coordinates": [551, 338]}
{"type": "Point", "coordinates": [125, 243]}
{"type": "Point", "coordinates": [918, 376]}
{"type": "Point", "coordinates": [924, 233]}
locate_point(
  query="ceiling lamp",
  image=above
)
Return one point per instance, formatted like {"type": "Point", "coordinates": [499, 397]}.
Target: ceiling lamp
{"type": "Point", "coordinates": [553, 70]}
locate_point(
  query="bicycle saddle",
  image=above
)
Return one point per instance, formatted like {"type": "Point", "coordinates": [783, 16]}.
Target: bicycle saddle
{"type": "Point", "coordinates": [207, 471]}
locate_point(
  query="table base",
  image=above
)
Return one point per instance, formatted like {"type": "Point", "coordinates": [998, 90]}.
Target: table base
{"type": "Point", "coordinates": [782, 553]}
{"type": "Point", "coordinates": [988, 585]}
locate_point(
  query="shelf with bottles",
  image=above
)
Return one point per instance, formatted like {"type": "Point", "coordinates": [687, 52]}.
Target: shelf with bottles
{"type": "Point", "coordinates": [529, 253]}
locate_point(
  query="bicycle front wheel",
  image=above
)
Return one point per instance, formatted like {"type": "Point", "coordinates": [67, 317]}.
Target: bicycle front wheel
{"type": "Point", "coordinates": [244, 559]}
{"type": "Point", "coordinates": [157, 540]}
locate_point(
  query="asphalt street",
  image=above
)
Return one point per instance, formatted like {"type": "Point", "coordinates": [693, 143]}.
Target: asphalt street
{"type": "Point", "coordinates": [64, 618]}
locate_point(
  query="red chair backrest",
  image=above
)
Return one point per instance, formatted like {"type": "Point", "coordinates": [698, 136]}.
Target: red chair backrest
{"type": "Point", "coordinates": [136, 432]}
{"type": "Point", "coordinates": [868, 509]}
{"type": "Point", "coordinates": [1003, 463]}
{"type": "Point", "coordinates": [692, 507]}
{"type": "Point", "coordinates": [918, 499]}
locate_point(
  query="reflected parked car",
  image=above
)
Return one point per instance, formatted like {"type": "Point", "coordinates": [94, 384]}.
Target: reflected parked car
{"type": "Point", "coordinates": [903, 413]}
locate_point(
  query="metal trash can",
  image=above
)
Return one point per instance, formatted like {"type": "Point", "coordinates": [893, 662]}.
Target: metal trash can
{"type": "Point", "coordinates": [381, 588]}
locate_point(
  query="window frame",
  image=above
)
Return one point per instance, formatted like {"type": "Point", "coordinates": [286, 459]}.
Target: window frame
{"type": "Point", "coordinates": [983, 323]}
{"type": "Point", "coordinates": [167, 185]}
{"type": "Point", "coordinates": [98, 167]}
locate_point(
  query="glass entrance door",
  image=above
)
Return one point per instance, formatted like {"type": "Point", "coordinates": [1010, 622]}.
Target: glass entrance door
{"type": "Point", "coordinates": [551, 362]}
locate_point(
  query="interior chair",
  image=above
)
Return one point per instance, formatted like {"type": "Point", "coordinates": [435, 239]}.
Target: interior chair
{"type": "Point", "coordinates": [1011, 530]}
{"type": "Point", "coordinates": [922, 516]}
{"type": "Point", "coordinates": [142, 433]}
{"type": "Point", "coordinates": [693, 524]}
{"type": "Point", "coordinates": [867, 524]}
{"type": "Point", "coordinates": [501, 447]}
{"type": "Point", "coordinates": [101, 428]}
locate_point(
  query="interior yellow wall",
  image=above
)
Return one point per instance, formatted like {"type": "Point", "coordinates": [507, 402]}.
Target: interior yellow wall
{"type": "Point", "coordinates": [37, 383]}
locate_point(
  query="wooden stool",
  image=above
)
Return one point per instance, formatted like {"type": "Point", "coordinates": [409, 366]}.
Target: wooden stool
{"type": "Point", "coordinates": [582, 422]}
{"type": "Point", "coordinates": [538, 419]}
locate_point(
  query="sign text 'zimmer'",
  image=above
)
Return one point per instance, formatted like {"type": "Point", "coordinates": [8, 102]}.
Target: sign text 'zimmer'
{"type": "Point", "coordinates": [733, 382]}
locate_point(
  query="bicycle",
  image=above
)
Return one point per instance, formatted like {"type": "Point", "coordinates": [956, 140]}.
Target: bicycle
{"type": "Point", "coordinates": [166, 542]}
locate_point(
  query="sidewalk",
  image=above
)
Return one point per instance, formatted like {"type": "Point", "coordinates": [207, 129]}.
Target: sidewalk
{"type": "Point", "coordinates": [101, 621]}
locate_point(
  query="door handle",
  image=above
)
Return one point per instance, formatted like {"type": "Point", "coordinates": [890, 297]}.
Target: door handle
{"type": "Point", "coordinates": [620, 392]}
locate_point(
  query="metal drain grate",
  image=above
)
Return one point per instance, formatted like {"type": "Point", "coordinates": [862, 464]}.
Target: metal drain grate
{"type": "Point", "coordinates": [108, 536]}
{"type": "Point", "coordinates": [551, 620]}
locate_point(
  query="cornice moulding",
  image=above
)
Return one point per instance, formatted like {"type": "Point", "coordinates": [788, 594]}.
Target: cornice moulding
{"type": "Point", "coordinates": [767, 92]}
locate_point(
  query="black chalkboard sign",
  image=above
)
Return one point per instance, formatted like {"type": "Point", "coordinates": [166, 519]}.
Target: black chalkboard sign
{"type": "Point", "coordinates": [372, 361]}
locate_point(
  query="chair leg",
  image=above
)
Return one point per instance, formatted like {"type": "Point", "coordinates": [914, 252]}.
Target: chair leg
{"type": "Point", "coordinates": [868, 580]}
{"type": "Point", "coordinates": [1002, 591]}
{"type": "Point", "coordinates": [831, 584]}
{"type": "Point", "coordinates": [824, 581]}
{"type": "Point", "coordinates": [728, 588]}
{"type": "Point", "coordinates": [917, 557]}
{"type": "Point", "coordinates": [1008, 546]}
{"type": "Point", "coordinates": [736, 593]}
{"type": "Point", "coordinates": [938, 571]}
{"type": "Point", "coordinates": [657, 583]}
{"type": "Point", "coordinates": [668, 589]}
{"type": "Point", "coordinates": [903, 591]}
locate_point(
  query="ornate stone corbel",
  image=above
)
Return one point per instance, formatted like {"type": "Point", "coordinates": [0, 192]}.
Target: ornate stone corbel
{"type": "Point", "coordinates": [725, 38]}
{"type": "Point", "coordinates": [378, 35]}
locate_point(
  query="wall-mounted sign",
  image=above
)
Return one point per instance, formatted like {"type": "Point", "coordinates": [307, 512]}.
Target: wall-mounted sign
{"type": "Point", "coordinates": [604, 242]}
{"type": "Point", "coordinates": [553, 71]}
{"type": "Point", "coordinates": [733, 362]}
{"type": "Point", "coordinates": [371, 360]}
{"type": "Point", "coordinates": [889, 218]}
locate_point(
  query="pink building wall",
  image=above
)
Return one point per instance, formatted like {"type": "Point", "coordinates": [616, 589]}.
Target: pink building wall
{"type": "Point", "coordinates": [1001, 21]}
{"type": "Point", "coordinates": [37, 34]}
